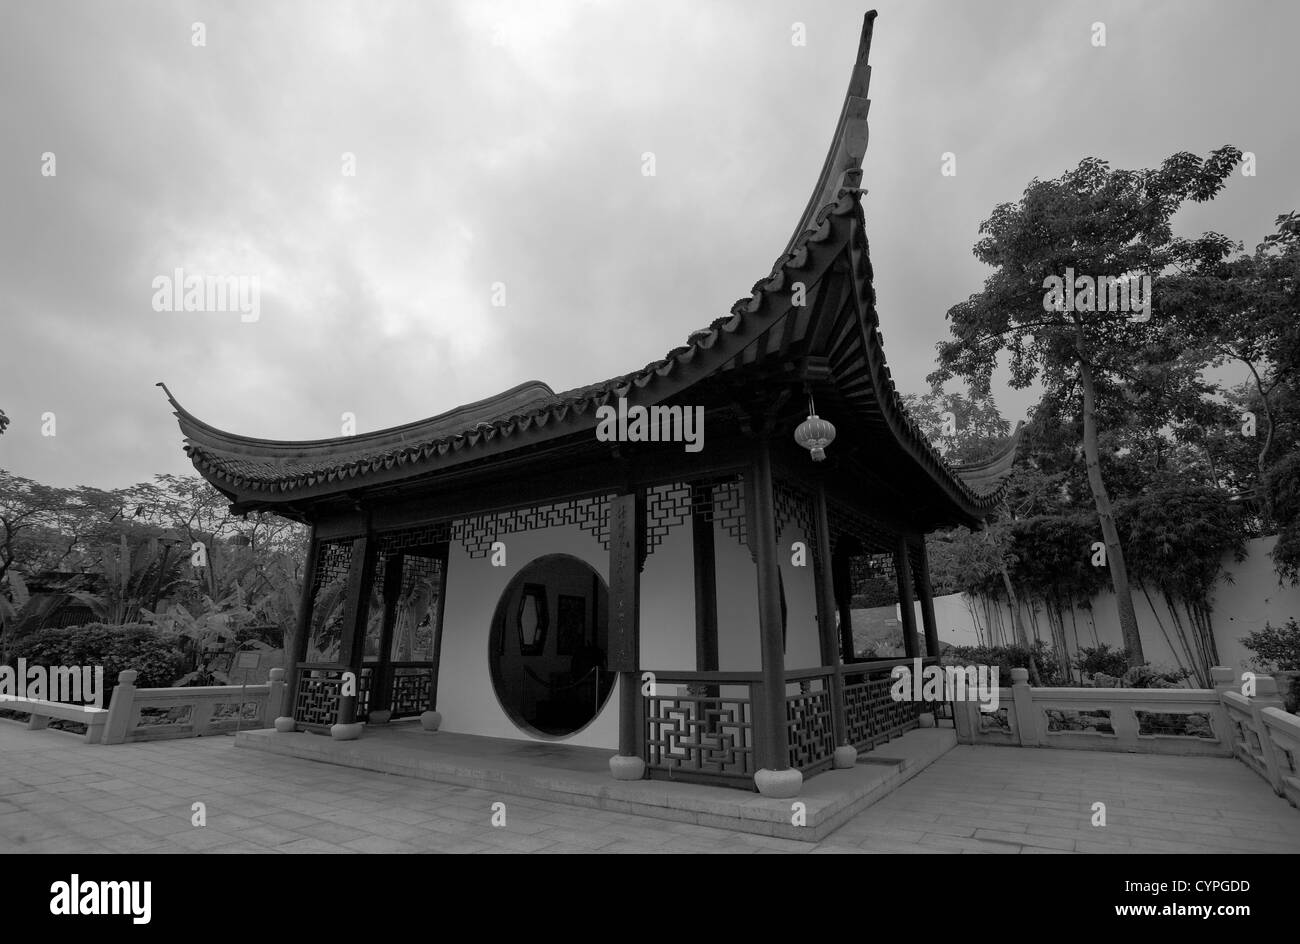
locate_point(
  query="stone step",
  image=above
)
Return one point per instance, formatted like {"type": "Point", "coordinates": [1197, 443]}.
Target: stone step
{"type": "Point", "coordinates": [580, 776]}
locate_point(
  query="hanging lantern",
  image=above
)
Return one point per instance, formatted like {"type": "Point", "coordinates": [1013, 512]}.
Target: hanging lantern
{"type": "Point", "coordinates": [815, 433]}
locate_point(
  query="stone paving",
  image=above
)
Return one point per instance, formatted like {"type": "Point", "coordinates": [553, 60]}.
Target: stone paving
{"type": "Point", "coordinates": [58, 794]}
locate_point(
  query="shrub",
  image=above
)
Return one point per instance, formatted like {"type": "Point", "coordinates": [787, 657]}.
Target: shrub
{"type": "Point", "coordinates": [1140, 676]}
{"type": "Point", "coordinates": [1007, 658]}
{"type": "Point", "coordinates": [117, 648]}
{"type": "Point", "coordinates": [1148, 676]}
{"type": "Point", "coordinates": [1276, 648]}
{"type": "Point", "coordinates": [1102, 660]}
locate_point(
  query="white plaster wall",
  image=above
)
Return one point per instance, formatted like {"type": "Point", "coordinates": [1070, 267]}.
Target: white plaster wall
{"type": "Point", "coordinates": [668, 604]}
{"type": "Point", "coordinates": [1252, 597]}
{"type": "Point", "coordinates": [466, 697]}
{"type": "Point", "coordinates": [737, 583]}
{"type": "Point", "coordinates": [802, 647]}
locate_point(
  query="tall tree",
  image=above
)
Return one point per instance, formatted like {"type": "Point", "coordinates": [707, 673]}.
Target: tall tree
{"type": "Point", "coordinates": [1246, 310]}
{"type": "Point", "coordinates": [1107, 233]}
{"type": "Point", "coordinates": [964, 429]}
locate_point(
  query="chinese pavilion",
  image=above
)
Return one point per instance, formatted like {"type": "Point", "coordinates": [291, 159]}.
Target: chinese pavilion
{"type": "Point", "coordinates": [501, 570]}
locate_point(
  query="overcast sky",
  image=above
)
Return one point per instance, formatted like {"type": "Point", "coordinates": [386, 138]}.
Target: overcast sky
{"type": "Point", "coordinates": [503, 143]}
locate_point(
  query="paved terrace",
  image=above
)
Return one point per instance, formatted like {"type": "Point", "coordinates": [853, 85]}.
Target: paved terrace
{"type": "Point", "coordinates": [58, 794]}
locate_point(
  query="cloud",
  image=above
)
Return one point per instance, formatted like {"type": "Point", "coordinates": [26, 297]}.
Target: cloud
{"type": "Point", "coordinates": [503, 143]}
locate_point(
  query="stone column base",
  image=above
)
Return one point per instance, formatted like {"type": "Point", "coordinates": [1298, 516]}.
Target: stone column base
{"type": "Point", "coordinates": [379, 717]}
{"type": "Point", "coordinates": [624, 767]}
{"type": "Point", "coordinates": [779, 784]}
{"type": "Point", "coordinates": [926, 719]}
{"type": "Point", "coordinates": [285, 725]}
{"type": "Point", "coordinates": [431, 720]}
{"type": "Point", "coordinates": [846, 756]}
{"type": "Point", "coordinates": [346, 732]}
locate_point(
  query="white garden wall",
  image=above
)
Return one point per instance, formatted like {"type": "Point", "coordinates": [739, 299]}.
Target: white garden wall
{"type": "Point", "coordinates": [1248, 595]}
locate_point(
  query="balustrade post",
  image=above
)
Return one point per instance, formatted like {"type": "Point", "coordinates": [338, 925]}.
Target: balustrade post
{"type": "Point", "coordinates": [1266, 696]}
{"type": "Point", "coordinates": [1023, 701]}
{"type": "Point", "coordinates": [274, 692]}
{"type": "Point", "coordinates": [1223, 679]}
{"type": "Point", "coordinates": [120, 707]}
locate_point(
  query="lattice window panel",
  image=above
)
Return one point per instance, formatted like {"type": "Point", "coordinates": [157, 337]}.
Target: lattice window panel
{"type": "Point", "coordinates": [375, 616]}
{"type": "Point", "coordinates": [421, 576]}
{"type": "Point", "coordinates": [329, 600]}
{"type": "Point", "coordinates": [723, 503]}
{"type": "Point", "coordinates": [793, 505]}
{"type": "Point", "coordinates": [415, 618]}
{"type": "Point", "coordinates": [701, 734]}
{"type": "Point", "coordinates": [666, 507]}
{"type": "Point", "coordinates": [414, 537]}
{"type": "Point", "coordinates": [476, 534]}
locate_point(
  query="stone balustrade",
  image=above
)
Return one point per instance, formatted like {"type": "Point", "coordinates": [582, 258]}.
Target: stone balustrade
{"type": "Point", "coordinates": [151, 714]}
{"type": "Point", "coordinates": [1222, 721]}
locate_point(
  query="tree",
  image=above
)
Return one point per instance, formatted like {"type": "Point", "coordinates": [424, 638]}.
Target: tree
{"type": "Point", "coordinates": [1246, 309]}
{"type": "Point", "coordinates": [964, 429]}
{"type": "Point", "coordinates": [1110, 232]}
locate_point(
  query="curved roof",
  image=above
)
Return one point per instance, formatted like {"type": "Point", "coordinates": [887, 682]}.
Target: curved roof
{"type": "Point", "coordinates": [275, 471]}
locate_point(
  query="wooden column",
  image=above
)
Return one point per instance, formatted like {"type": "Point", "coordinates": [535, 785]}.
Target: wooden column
{"type": "Point", "coordinates": [773, 741]}
{"type": "Point", "coordinates": [355, 613]}
{"type": "Point", "coordinates": [926, 593]}
{"type": "Point", "coordinates": [381, 693]}
{"type": "Point", "coordinates": [826, 606]}
{"type": "Point", "coordinates": [842, 577]}
{"type": "Point", "coordinates": [302, 627]}
{"type": "Point", "coordinates": [826, 611]}
{"type": "Point", "coordinates": [444, 561]}
{"type": "Point", "coordinates": [626, 557]}
{"type": "Point", "coordinates": [906, 602]}
{"type": "Point", "coordinates": [706, 586]}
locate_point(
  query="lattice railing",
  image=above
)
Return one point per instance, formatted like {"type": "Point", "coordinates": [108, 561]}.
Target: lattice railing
{"type": "Point", "coordinates": [701, 724]}
{"type": "Point", "coordinates": [871, 714]}
{"type": "Point", "coordinates": [809, 718]}
{"type": "Point", "coordinates": [408, 685]}
{"type": "Point", "coordinates": [409, 689]}
{"type": "Point", "coordinates": [316, 702]}
{"type": "Point", "coordinates": [365, 691]}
